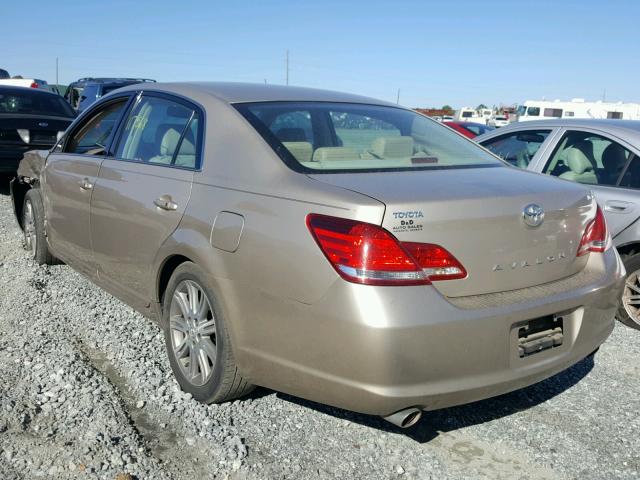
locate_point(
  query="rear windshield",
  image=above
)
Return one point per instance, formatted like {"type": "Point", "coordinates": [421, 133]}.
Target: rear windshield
{"type": "Point", "coordinates": [34, 103]}
{"type": "Point", "coordinates": [339, 137]}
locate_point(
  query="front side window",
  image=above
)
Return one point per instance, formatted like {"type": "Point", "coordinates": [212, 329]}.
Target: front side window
{"type": "Point", "coordinates": [160, 131]}
{"type": "Point", "coordinates": [533, 111]}
{"type": "Point", "coordinates": [344, 137]}
{"type": "Point", "coordinates": [517, 148]}
{"type": "Point", "coordinates": [588, 158]}
{"type": "Point", "coordinates": [94, 136]}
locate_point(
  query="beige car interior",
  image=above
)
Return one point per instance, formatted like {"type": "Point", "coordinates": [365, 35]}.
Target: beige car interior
{"type": "Point", "coordinates": [580, 167]}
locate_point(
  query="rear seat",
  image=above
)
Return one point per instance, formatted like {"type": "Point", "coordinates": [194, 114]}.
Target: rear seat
{"type": "Point", "coordinates": [186, 156]}
{"type": "Point", "coordinates": [302, 151]}
{"type": "Point", "coordinates": [392, 147]}
{"type": "Point", "coordinates": [332, 154]}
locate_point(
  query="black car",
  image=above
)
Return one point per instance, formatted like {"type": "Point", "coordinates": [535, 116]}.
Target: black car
{"type": "Point", "coordinates": [82, 93]}
{"type": "Point", "coordinates": [30, 119]}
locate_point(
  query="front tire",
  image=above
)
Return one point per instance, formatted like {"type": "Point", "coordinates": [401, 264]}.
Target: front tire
{"type": "Point", "coordinates": [629, 310]}
{"type": "Point", "coordinates": [35, 241]}
{"type": "Point", "coordinates": [197, 339]}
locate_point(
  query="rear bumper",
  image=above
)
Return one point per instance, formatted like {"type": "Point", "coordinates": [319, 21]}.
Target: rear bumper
{"type": "Point", "coordinates": [378, 350]}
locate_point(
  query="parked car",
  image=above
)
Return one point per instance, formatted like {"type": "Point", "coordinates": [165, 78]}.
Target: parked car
{"type": "Point", "coordinates": [82, 93]}
{"type": "Point", "coordinates": [24, 82]}
{"type": "Point", "coordinates": [602, 154]}
{"type": "Point", "coordinates": [498, 121]}
{"type": "Point", "coordinates": [327, 245]}
{"type": "Point", "coordinates": [469, 129]}
{"type": "Point", "coordinates": [29, 119]}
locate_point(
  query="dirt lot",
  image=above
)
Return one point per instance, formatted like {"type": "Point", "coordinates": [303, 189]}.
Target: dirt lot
{"type": "Point", "coordinates": [86, 392]}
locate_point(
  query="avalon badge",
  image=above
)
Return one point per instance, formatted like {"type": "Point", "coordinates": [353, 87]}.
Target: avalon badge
{"type": "Point", "coordinates": [533, 215]}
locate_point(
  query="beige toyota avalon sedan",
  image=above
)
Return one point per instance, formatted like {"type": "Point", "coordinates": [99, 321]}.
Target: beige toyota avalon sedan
{"type": "Point", "coordinates": [330, 246]}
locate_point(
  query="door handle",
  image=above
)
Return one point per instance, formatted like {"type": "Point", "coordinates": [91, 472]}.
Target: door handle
{"type": "Point", "coordinates": [85, 184]}
{"type": "Point", "coordinates": [617, 206]}
{"type": "Point", "coordinates": [165, 203]}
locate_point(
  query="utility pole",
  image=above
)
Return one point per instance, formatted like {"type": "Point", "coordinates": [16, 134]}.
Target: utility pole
{"type": "Point", "coordinates": [287, 67]}
{"type": "Point", "coordinates": [398, 98]}
{"type": "Point", "coordinates": [56, 71]}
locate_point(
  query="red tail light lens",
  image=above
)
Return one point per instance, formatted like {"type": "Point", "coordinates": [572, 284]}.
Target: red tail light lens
{"type": "Point", "coordinates": [596, 237]}
{"type": "Point", "coordinates": [368, 254]}
{"type": "Point", "coordinates": [436, 262]}
{"type": "Point", "coordinates": [33, 85]}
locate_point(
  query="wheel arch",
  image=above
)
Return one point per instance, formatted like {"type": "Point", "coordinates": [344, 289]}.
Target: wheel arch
{"type": "Point", "coordinates": [628, 248]}
{"type": "Point", "coordinates": [167, 267]}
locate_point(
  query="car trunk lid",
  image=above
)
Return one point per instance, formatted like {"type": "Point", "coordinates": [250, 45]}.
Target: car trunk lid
{"type": "Point", "coordinates": [477, 214]}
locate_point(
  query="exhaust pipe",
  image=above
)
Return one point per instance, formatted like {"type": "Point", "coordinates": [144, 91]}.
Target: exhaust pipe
{"type": "Point", "coordinates": [405, 418]}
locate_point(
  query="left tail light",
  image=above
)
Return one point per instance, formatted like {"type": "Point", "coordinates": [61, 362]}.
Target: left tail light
{"type": "Point", "coordinates": [596, 235]}
{"type": "Point", "coordinates": [365, 253]}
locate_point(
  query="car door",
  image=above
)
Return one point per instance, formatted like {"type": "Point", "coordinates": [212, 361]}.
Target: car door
{"type": "Point", "coordinates": [69, 175]}
{"type": "Point", "coordinates": [605, 163]}
{"type": "Point", "coordinates": [520, 148]}
{"type": "Point", "coordinates": [142, 191]}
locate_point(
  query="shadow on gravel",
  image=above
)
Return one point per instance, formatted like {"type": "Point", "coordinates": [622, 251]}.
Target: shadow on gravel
{"type": "Point", "coordinates": [4, 184]}
{"type": "Point", "coordinates": [439, 421]}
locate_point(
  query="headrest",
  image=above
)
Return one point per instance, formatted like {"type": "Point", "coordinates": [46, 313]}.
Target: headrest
{"type": "Point", "coordinates": [324, 154]}
{"type": "Point", "coordinates": [614, 157]}
{"type": "Point", "coordinates": [392, 147]}
{"type": "Point", "coordinates": [302, 151]}
{"type": "Point", "coordinates": [578, 161]}
{"type": "Point", "coordinates": [288, 134]}
{"type": "Point", "coordinates": [169, 142]}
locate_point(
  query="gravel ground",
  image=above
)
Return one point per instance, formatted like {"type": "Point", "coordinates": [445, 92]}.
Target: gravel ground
{"type": "Point", "coordinates": [86, 392]}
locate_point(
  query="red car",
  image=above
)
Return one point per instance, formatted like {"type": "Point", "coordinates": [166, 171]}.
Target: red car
{"type": "Point", "coordinates": [469, 129]}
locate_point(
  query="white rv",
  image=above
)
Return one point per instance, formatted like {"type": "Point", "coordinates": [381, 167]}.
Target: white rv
{"type": "Point", "coordinates": [577, 108]}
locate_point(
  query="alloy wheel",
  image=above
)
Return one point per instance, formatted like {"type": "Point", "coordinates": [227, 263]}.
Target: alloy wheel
{"type": "Point", "coordinates": [193, 332]}
{"type": "Point", "coordinates": [631, 296]}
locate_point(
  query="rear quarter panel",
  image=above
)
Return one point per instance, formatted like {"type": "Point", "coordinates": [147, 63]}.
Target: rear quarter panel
{"type": "Point", "coordinates": [277, 260]}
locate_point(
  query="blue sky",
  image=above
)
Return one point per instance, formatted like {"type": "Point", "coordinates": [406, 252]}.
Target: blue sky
{"type": "Point", "coordinates": [456, 52]}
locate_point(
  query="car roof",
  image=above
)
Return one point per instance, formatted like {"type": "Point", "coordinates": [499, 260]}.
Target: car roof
{"type": "Point", "coordinates": [614, 127]}
{"type": "Point", "coordinates": [13, 89]}
{"type": "Point", "coordinates": [231, 92]}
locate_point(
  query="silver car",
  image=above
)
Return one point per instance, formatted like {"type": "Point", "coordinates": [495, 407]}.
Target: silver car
{"type": "Point", "coordinates": [330, 246]}
{"type": "Point", "coordinates": [603, 155]}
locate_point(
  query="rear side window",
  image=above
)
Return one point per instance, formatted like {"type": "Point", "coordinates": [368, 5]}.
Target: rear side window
{"type": "Point", "coordinates": [94, 136]}
{"type": "Point", "coordinates": [160, 131]}
{"type": "Point", "coordinates": [341, 137]}
{"type": "Point", "coordinates": [589, 158]}
{"type": "Point", "coordinates": [517, 148]}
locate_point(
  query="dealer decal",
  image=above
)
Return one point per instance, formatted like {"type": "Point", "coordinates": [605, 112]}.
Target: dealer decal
{"type": "Point", "coordinates": [407, 221]}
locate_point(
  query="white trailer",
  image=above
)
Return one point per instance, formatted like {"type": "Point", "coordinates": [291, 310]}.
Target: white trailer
{"type": "Point", "coordinates": [577, 108]}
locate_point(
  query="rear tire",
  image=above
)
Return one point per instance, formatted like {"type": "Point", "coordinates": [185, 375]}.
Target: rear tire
{"type": "Point", "coordinates": [35, 240]}
{"type": "Point", "coordinates": [629, 310]}
{"type": "Point", "coordinates": [197, 339]}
